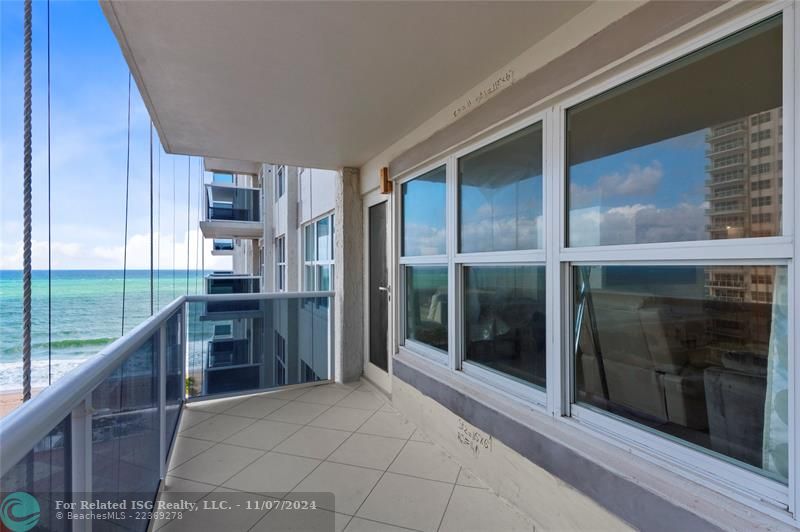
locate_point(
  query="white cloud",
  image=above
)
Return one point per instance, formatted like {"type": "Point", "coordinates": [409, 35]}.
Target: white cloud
{"type": "Point", "coordinates": [637, 181]}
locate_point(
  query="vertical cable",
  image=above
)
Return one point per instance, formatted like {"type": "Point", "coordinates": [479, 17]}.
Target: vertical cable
{"type": "Point", "coordinates": [27, 201]}
{"type": "Point", "coordinates": [173, 227]}
{"type": "Point", "coordinates": [49, 224]}
{"type": "Point", "coordinates": [127, 191]}
{"type": "Point", "coordinates": [158, 266]}
{"type": "Point", "coordinates": [188, 216]}
{"type": "Point", "coordinates": [197, 229]}
{"type": "Point", "coordinates": [152, 302]}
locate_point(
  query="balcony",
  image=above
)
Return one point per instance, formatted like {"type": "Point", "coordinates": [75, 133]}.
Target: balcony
{"type": "Point", "coordinates": [232, 212]}
{"type": "Point", "coordinates": [222, 246]}
{"type": "Point", "coordinates": [229, 283]}
{"type": "Point", "coordinates": [138, 423]}
{"type": "Point", "coordinates": [718, 133]}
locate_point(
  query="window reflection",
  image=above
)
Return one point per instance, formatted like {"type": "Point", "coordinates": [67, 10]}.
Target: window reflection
{"type": "Point", "coordinates": [500, 194]}
{"type": "Point", "coordinates": [423, 223]}
{"type": "Point", "coordinates": [696, 352]}
{"type": "Point", "coordinates": [504, 320]}
{"type": "Point", "coordinates": [426, 305]}
{"type": "Point", "coordinates": [690, 151]}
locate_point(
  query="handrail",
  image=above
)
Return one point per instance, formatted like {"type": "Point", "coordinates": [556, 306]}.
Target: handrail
{"type": "Point", "coordinates": [21, 429]}
{"type": "Point", "coordinates": [203, 298]}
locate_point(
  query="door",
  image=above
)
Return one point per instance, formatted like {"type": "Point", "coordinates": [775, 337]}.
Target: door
{"type": "Point", "coordinates": [376, 365]}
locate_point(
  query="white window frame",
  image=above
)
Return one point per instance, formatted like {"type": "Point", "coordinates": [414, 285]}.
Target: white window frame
{"type": "Point", "coordinates": [739, 483]}
{"type": "Point", "coordinates": [316, 263]}
{"type": "Point", "coordinates": [280, 264]}
{"type": "Point", "coordinates": [280, 181]}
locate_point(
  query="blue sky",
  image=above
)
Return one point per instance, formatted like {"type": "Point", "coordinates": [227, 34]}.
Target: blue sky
{"type": "Point", "coordinates": [89, 91]}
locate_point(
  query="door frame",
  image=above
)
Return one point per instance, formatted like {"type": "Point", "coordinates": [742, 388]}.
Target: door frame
{"type": "Point", "coordinates": [382, 379]}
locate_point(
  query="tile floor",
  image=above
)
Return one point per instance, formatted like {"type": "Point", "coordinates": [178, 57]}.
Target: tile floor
{"type": "Point", "coordinates": [346, 439]}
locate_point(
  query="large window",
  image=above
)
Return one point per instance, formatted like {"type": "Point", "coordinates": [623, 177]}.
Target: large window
{"type": "Point", "coordinates": [318, 255]}
{"type": "Point", "coordinates": [620, 260]}
{"type": "Point", "coordinates": [667, 157]}
{"type": "Point", "coordinates": [500, 194]}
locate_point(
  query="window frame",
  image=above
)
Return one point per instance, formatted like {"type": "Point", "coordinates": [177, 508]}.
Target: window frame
{"type": "Point", "coordinates": [280, 181]}
{"type": "Point", "coordinates": [316, 263]}
{"type": "Point", "coordinates": [737, 482]}
{"type": "Point", "coordinates": [280, 263]}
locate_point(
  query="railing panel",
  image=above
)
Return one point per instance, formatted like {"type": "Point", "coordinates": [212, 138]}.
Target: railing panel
{"type": "Point", "coordinates": [125, 432]}
{"type": "Point", "coordinates": [44, 473]}
{"type": "Point", "coordinates": [175, 383]}
{"type": "Point", "coordinates": [269, 342]}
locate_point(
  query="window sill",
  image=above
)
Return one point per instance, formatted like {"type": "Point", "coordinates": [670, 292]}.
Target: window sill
{"type": "Point", "coordinates": [615, 478]}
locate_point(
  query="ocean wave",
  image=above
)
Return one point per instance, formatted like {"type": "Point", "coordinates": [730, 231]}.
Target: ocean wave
{"type": "Point", "coordinates": [68, 343]}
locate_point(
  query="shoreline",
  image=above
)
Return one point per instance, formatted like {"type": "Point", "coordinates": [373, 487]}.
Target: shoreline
{"type": "Point", "coordinates": [11, 399]}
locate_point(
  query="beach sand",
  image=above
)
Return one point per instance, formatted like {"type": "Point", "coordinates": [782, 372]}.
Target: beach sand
{"type": "Point", "coordinates": [11, 400]}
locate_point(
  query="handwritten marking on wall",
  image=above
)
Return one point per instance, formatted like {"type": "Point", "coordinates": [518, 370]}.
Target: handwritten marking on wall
{"type": "Point", "coordinates": [474, 439]}
{"type": "Point", "coordinates": [498, 83]}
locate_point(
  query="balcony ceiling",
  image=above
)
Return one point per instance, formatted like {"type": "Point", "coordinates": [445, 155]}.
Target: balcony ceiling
{"type": "Point", "coordinates": [324, 84]}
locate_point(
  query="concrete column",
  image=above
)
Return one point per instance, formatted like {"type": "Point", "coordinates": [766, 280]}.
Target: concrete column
{"type": "Point", "coordinates": [267, 207]}
{"type": "Point", "coordinates": [348, 280]}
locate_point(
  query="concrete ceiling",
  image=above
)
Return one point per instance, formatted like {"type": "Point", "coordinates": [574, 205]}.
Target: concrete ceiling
{"type": "Point", "coordinates": [322, 84]}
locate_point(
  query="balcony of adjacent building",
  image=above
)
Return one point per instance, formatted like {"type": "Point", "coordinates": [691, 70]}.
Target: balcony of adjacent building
{"type": "Point", "coordinates": [232, 212]}
{"type": "Point", "coordinates": [729, 130]}
{"type": "Point", "coordinates": [222, 246]}
{"type": "Point", "coordinates": [226, 283]}
{"type": "Point", "coordinates": [165, 414]}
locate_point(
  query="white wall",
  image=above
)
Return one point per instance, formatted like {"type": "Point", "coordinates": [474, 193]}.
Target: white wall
{"type": "Point", "coordinates": [317, 193]}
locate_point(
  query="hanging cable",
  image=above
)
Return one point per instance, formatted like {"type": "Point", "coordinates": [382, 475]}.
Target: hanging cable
{"type": "Point", "coordinates": [158, 266]}
{"type": "Point", "coordinates": [49, 224]}
{"type": "Point", "coordinates": [127, 191]}
{"type": "Point", "coordinates": [197, 228]}
{"type": "Point", "coordinates": [173, 227]}
{"type": "Point", "coordinates": [188, 217]}
{"type": "Point", "coordinates": [152, 302]}
{"type": "Point", "coordinates": [27, 201]}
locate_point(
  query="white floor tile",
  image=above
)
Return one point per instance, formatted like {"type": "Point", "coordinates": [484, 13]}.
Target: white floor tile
{"type": "Point", "coordinates": [186, 448]}
{"type": "Point", "coordinates": [478, 510]}
{"type": "Point", "coordinates": [425, 460]}
{"type": "Point", "coordinates": [295, 412]}
{"type": "Point", "coordinates": [466, 478]}
{"type": "Point", "coordinates": [326, 395]}
{"type": "Point", "coordinates": [318, 520]}
{"type": "Point", "coordinates": [350, 485]}
{"type": "Point", "coordinates": [368, 451]}
{"type": "Point", "coordinates": [256, 407]}
{"type": "Point", "coordinates": [313, 442]}
{"type": "Point", "coordinates": [407, 501]}
{"type": "Point", "coordinates": [387, 424]}
{"type": "Point", "coordinates": [217, 428]}
{"type": "Point", "coordinates": [362, 399]}
{"type": "Point", "coordinates": [263, 434]}
{"type": "Point", "coordinates": [216, 464]}
{"type": "Point", "coordinates": [341, 418]}
{"type": "Point", "coordinates": [273, 473]}
{"type": "Point", "coordinates": [216, 406]}
{"type": "Point", "coordinates": [359, 524]}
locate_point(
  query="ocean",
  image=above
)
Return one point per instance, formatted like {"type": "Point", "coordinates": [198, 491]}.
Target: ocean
{"type": "Point", "coordinates": [86, 316]}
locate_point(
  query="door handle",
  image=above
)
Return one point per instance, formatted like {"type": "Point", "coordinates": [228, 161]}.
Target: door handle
{"type": "Point", "coordinates": [384, 289]}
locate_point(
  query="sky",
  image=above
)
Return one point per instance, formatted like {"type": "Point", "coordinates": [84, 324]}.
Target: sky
{"type": "Point", "coordinates": [89, 105]}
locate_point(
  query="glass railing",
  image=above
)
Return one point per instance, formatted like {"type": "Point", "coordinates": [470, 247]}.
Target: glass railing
{"type": "Point", "coordinates": [104, 431]}
{"type": "Point", "coordinates": [223, 244]}
{"type": "Point", "coordinates": [230, 203]}
{"type": "Point", "coordinates": [270, 340]}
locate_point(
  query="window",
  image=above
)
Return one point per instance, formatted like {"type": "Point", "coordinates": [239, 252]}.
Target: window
{"type": "Point", "coordinates": [225, 179]}
{"type": "Point", "coordinates": [318, 255]}
{"type": "Point", "coordinates": [279, 361]}
{"type": "Point", "coordinates": [280, 182]}
{"type": "Point", "coordinates": [761, 135]}
{"type": "Point", "coordinates": [760, 185]}
{"type": "Point", "coordinates": [280, 264]}
{"type": "Point", "coordinates": [688, 351]}
{"type": "Point", "coordinates": [500, 194]}
{"type": "Point", "coordinates": [640, 155]}
{"type": "Point", "coordinates": [762, 201]}
{"type": "Point", "coordinates": [764, 151]}
{"type": "Point", "coordinates": [426, 305]}
{"type": "Point", "coordinates": [424, 214]}
{"type": "Point", "coordinates": [504, 320]}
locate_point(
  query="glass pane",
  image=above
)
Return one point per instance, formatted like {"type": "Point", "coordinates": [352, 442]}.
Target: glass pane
{"type": "Point", "coordinates": [323, 239]}
{"type": "Point", "coordinates": [226, 203]}
{"type": "Point", "coordinates": [423, 223]}
{"type": "Point", "coordinates": [175, 383]}
{"type": "Point", "coordinates": [126, 443]}
{"type": "Point", "coordinates": [504, 320]}
{"type": "Point", "coordinates": [500, 194]}
{"type": "Point", "coordinates": [268, 347]}
{"type": "Point", "coordinates": [324, 273]}
{"type": "Point", "coordinates": [309, 243]}
{"type": "Point", "coordinates": [695, 352]}
{"type": "Point", "coordinates": [690, 151]}
{"type": "Point", "coordinates": [426, 305]}
{"type": "Point", "coordinates": [308, 278]}
{"type": "Point", "coordinates": [43, 473]}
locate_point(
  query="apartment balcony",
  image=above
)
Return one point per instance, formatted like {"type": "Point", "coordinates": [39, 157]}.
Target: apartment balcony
{"type": "Point", "coordinates": [232, 212]}
{"type": "Point", "coordinates": [222, 246]}
{"type": "Point", "coordinates": [729, 131]}
{"type": "Point", "coordinates": [726, 150]}
{"type": "Point", "coordinates": [229, 283]}
{"type": "Point", "coordinates": [138, 424]}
